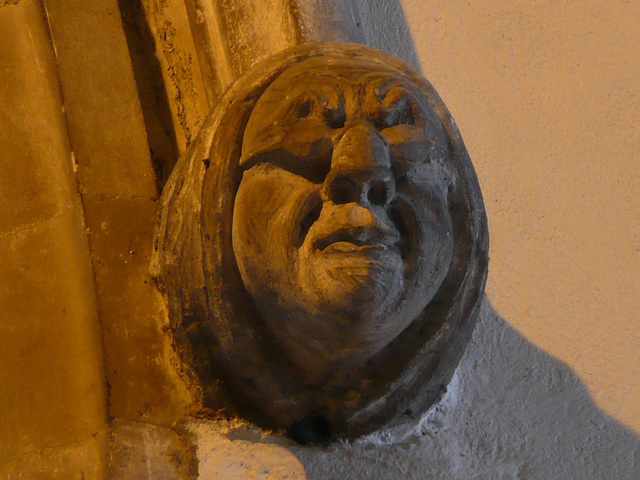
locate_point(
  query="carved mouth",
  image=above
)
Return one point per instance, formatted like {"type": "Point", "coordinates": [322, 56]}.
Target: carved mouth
{"type": "Point", "coordinates": [350, 239]}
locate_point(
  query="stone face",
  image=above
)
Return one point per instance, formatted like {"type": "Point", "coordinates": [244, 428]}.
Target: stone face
{"type": "Point", "coordinates": [340, 228]}
{"type": "Point", "coordinates": [323, 245]}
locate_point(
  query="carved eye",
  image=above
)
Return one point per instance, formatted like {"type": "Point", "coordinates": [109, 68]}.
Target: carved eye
{"type": "Point", "coordinates": [394, 104]}
{"type": "Point", "coordinates": [401, 112]}
{"type": "Point", "coordinates": [304, 108]}
{"type": "Point", "coordinates": [330, 110]}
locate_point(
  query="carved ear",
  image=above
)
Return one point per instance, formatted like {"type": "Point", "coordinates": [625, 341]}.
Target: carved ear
{"type": "Point", "coordinates": [182, 193]}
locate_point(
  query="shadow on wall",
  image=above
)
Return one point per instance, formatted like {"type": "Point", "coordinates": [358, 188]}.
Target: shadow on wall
{"type": "Point", "coordinates": [511, 412]}
{"type": "Point", "coordinates": [385, 27]}
{"type": "Point", "coordinates": [147, 70]}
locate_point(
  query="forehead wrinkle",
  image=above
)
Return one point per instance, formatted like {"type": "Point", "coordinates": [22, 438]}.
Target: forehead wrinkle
{"type": "Point", "coordinates": [336, 83]}
{"type": "Point", "coordinates": [354, 83]}
{"type": "Point", "coordinates": [346, 70]}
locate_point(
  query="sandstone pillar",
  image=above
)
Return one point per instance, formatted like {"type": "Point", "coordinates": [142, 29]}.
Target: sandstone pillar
{"type": "Point", "coordinates": [53, 395]}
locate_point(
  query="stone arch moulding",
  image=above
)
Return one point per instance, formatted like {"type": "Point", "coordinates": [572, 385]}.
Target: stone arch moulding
{"type": "Point", "coordinates": [323, 245]}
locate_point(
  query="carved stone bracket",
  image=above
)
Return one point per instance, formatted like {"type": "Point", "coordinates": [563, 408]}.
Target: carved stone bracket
{"type": "Point", "coordinates": [323, 245]}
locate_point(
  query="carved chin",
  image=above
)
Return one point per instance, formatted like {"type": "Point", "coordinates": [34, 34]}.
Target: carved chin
{"type": "Point", "coordinates": [358, 282]}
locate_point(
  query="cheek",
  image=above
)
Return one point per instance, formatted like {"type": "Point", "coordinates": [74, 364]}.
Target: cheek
{"type": "Point", "coordinates": [437, 241]}
{"type": "Point", "coordinates": [266, 217]}
{"type": "Point", "coordinates": [426, 228]}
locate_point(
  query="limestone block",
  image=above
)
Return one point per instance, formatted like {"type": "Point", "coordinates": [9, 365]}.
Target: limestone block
{"type": "Point", "coordinates": [53, 388]}
{"type": "Point", "coordinates": [144, 377]}
{"type": "Point", "coordinates": [53, 396]}
{"type": "Point", "coordinates": [103, 111]}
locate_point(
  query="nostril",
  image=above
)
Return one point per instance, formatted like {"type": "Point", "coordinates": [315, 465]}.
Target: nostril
{"type": "Point", "coordinates": [378, 193]}
{"type": "Point", "coordinates": [342, 190]}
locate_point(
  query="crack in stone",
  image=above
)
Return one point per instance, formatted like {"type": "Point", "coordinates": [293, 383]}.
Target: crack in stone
{"type": "Point", "coordinates": [26, 228]}
{"type": "Point", "coordinates": [58, 448]}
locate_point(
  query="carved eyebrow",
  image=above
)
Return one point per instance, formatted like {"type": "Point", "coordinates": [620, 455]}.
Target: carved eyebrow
{"type": "Point", "coordinates": [399, 106]}
{"type": "Point", "coordinates": [395, 94]}
{"type": "Point", "coordinates": [322, 90]}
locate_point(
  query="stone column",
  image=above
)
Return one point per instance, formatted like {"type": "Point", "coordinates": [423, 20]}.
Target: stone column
{"type": "Point", "coordinates": [233, 35]}
{"type": "Point", "coordinates": [53, 418]}
{"type": "Point", "coordinates": [117, 183]}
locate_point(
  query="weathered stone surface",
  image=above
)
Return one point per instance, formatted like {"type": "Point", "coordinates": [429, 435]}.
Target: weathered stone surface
{"type": "Point", "coordinates": [83, 459]}
{"type": "Point", "coordinates": [117, 181]}
{"type": "Point", "coordinates": [230, 35]}
{"type": "Point", "coordinates": [52, 344]}
{"type": "Point", "coordinates": [168, 76]}
{"type": "Point", "coordinates": [52, 391]}
{"type": "Point", "coordinates": [141, 366]}
{"type": "Point", "coordinates": [323, 244]}
{"type": "Point", "coordinates": [234, 450]}
{"type": "Point", "coordinates": [142, 450]}
{"type": "Point", "coordinates": [105, 122]}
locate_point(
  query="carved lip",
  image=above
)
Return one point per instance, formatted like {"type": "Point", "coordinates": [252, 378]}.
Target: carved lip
{"type": "Point", "coordinates": [357, 239]}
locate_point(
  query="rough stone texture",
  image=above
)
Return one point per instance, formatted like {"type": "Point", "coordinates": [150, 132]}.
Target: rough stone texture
{"type": "Point", "coordinates": [385, 27]}
{"type": "Point", "coordinates": [84, 459]}
{"type": "Point", "coordinates": [160, 124]}
{"type": "Point", "coordinates": [144, 385]}
{"type": "Point", "coordinates": [117, 181]}
{"type": "Point", "coordinates": [230, 37]}
{"type": "Point", "coordinates": [413, 309]}
{"type": "Point", "coordinates": [93, 81]}
{"type": "Point", "coordinates": [52, 394]}
{"type": "Point", "coordinates": [238, 450]}
{"type": "Point", "coordinates": [328, 21]}
{"type": "Point", "coordinates": [189, 96]}
{"type": "Point", "coordinates": [144, 451]}
{"type": "Point", "coordinates": [246, 40]}
{"type": "Point", "coordinates": [118, 185]}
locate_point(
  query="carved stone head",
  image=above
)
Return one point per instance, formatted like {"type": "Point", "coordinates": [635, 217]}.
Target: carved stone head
{"type": "Point", "coordinates": [323, 245]}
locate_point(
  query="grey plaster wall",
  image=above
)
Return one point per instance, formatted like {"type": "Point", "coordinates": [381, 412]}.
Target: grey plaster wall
{"type": "Point", "coordinates": [512, 412]}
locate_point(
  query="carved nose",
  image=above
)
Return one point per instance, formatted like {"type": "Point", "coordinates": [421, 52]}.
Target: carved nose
{"type": "Point", "coordinates": [360, 169]}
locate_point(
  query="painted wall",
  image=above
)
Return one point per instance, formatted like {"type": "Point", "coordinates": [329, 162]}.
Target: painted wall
{"type": "Point", "coordinates": [547, 96]}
